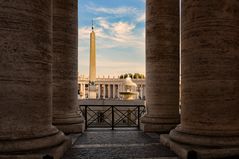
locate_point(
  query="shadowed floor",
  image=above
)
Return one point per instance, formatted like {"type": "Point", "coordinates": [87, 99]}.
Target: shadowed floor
{"type": "Point", "coordinates": [118, 144]}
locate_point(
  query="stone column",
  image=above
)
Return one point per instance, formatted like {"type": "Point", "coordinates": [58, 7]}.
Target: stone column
{"type": "Point", "coordinates": [162, 65]}
{"type": "Point", "coordinates": [210, 81]}
{"type": "Point", "coordinates": [98, 91]}
{"type": "Point", "coordinates": [108, 88]}
{"type": "Point", "coordinates": [109, 91]}
{"type": "Point", "coordinates": [113, 91]}
{"type": "Point", "coordinates": [118, 90]}
{"type": "Point", "coordinates": [104, 91]}
{"type": "Point", "coordinates": [25, 82]}
{"type": "Point", "coordinates": [101, 90]}
{"type": "Point", "coordinates": [66, 114]}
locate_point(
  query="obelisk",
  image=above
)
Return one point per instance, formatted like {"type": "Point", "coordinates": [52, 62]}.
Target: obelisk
{"type": "Point", "coordinates": [92, 73]}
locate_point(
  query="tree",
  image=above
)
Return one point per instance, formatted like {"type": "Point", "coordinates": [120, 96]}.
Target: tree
{"type": "Point", "coordinates": [133, 76]}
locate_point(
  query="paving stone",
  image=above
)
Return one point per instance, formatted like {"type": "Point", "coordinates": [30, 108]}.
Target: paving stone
{"type": "Point", "coordinates": [118, 144]}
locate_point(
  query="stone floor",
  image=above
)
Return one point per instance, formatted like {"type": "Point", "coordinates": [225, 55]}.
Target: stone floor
{"type": "Point", "coordinates": [118, 144]}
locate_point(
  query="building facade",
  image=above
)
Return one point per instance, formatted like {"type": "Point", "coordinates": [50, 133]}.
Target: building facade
{"type": "Point", "coordinates": [108, 88]}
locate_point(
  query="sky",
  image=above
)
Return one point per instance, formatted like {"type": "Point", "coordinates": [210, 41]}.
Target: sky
{"type": "Point", "coordinates": [120, 36]}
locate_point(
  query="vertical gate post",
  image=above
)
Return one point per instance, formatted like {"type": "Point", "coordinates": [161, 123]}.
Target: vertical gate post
{"type": "Point", "coordinates": [138, 117]}
{"type": "Point", "coordinates": [113, 118]}
{"type": "Point", "coordinates": [86, 117]}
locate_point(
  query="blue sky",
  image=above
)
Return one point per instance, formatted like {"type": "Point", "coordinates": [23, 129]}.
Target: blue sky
{"type": "Point", "coordinates": [120, 36]}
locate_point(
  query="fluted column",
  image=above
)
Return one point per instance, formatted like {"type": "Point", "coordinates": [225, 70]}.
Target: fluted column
{"type": "Point", "coordinates": [210, 81]}
{"type": "Point", "coordinates": [66, 114]}
{"type": "Point", "coordinates": [25, 81]}
{"type": "Point", "coordinates": [162, 65]}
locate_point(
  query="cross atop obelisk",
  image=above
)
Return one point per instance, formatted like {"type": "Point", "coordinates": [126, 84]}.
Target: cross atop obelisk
{"type": "Point", "coordinates": [92, 24]}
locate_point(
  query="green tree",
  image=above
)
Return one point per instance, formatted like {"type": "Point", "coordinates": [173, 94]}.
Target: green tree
{"type": "Point", "coordinates": [130, 75]}
{"type": "Point", "coordinates": [133, 76]}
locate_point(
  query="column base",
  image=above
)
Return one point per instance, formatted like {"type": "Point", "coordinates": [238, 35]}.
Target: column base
{"type": "Point", "coordinates": [72, 128]}
{"type": "Point", "coordinates": [55, 152]}
{"type": "Point", "coordinates": [160, 128]}
{"type": "Point", "coordinates": [69, 124]}
{"type": "Point", "coordinates": [157, 124]}
{"type": "Point", "coordinates": [219, 149]}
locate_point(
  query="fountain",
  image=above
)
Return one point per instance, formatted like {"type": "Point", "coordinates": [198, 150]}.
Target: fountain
{"type": "Point", "coordinates": [129, 90]}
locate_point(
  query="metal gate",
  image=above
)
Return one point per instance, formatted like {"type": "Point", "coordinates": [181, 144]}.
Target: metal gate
{"type": "Point", "coordinates": [113, 116]}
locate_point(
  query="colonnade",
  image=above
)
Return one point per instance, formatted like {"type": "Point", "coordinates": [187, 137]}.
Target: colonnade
{"type": "Point", "coordinates": [209, 125]}
{"type": "Point", "coordinates": [109, 90]}
{"type": "Point", "coordinates": [82, 89]}
{"type": "Point", "coordinates": [38, 68]}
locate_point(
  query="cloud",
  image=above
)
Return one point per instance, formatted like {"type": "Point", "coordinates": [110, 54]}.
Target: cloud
{"type": "Point", "coordinates": [124, 33]}
{"type": "Point", "coordinates": [120, 39]}
{"type": "Point", "coordinates": [116, 34]}
{"type": "Point", "coordinates": [109, 44]}
{"type": "Point", "coordinates": [122, 28]}
{"type": "Point", "coordinates": [104, 24]}
{"type": "Point", "coordinates": [114, 11]}
{"type": "Point", "coordinates": [141, 18]}
{"type": "Point", "coordinates": [125, 11]}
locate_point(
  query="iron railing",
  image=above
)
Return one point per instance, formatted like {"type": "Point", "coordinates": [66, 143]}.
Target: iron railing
{"type": "Point", "coordinates": [112, 116]}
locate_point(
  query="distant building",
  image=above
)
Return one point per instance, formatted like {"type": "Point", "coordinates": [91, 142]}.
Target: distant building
{"type": "Point", "coordinates": [108, 88]}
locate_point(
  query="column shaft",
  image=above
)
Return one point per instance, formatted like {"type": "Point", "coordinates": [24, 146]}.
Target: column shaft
{"type": "Point", "coordinates": [104, 87]}
{"type": "Point", "coordinates": [98, 91]}
{"type": "Point", "coordinates": [101, 91]}
{"type": "Point", "coordinates": [117, 91]}
{"type": "Point", "coordinates": [210, 80]}
{"type": "Point", "coordinates": [162, 65]}
{"type": "Point", "coordinates": [25, 80]}
{"type": "Point", "coordinates": [109, 91]}
{"type": "Point", "coordinates": [113, 91]}
{"type": "Point", "coordinates": [66, 114]}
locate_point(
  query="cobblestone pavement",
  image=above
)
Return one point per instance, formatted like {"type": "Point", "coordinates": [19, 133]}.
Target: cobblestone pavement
{"type": "Point", "coordinates": [118, 144]}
